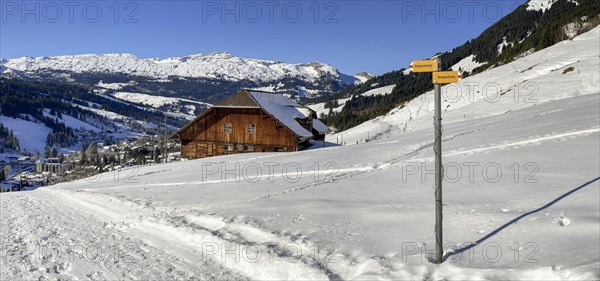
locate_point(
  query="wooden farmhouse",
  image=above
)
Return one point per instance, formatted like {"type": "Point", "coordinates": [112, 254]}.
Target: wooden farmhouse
{"type": "Point", "coordinates": [250, 121]}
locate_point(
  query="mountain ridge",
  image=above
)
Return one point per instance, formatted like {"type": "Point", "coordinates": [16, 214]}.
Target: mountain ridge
{"type": "Point", "coordinates": [204, 65]}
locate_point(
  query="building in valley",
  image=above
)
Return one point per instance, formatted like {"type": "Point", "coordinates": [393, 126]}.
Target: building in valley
{"type": "Point", "coordinates": [250, 121]}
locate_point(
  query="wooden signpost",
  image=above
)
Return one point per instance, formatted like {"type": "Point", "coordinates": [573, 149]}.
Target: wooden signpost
{"type": "Point", "coordinates": [424, 66]}
{"type": "Point", "coordinates": [446, 77]}
{"type": "Point", "coordinates": [439, 78]}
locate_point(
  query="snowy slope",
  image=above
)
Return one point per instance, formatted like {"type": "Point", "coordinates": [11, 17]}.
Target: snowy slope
{"type": "Point", "coordinates": [363, 216]}
{"type": "Point", "coordinates": [539, 5]}
{"type": "Point", "coordinates": [154, 101]}
{"type": "Point", "coordinates": [186, 108]}
{"type": "Point", "coordinates": [72, 122]}
{"type": "Point", "coordinates": [526, 82]}
{"type": "Point", "coordinates": [31, 136]}
{"type": "Point", "coordinates": [379, 91]}
{"type": "Point", "coordinates": [320, 107]}
{"type": "Point", "coordinates": [211, 65]}
{"type": "Point", "coordinates": [467, 64]}
{"type": "Point", "coordinates": [543, 5]}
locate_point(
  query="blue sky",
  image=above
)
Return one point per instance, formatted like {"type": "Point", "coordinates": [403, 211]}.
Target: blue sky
{"type": "Point", "coordinates": [354, 36]}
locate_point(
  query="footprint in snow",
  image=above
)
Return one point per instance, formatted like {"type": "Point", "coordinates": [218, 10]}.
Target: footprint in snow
{"type": "Point", "coordinates": [563, 220]}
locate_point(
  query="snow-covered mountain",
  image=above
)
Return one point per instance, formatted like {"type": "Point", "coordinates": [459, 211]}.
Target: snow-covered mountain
{"type": "Point", "coordinates": [213, 65]}
{"type": "Point", "coordinates": [207, 72]}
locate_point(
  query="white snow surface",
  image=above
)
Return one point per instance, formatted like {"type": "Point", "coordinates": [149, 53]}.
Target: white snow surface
{"type": "Point", "coordinates": [543, 5]}
{"type": "Point", "coordinates": [467, 64]}
{"type": "Point", "coordinates": [363, 77]}
{"type": "Point", "coordinates": [72, 122]}
{"type": "Point", "coordinates": [114, 86]}
{"type": "Point", "coordinates": [320, 107]}
{"type": "Point", "coordinates": [381, 91]}
{"type": "Point", "coordinates": [152, 100]}
{"type": "Point", "coordinates": [32, 136]}
{"type": "Point", "coordinates": [211, 65]}
{"type": "Point", "coordinates": [320, 126]}
{"type": "Point", "coordinates": [539, 5]}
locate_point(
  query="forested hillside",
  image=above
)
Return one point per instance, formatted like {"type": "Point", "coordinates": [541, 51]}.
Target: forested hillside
{"type": "Point", "coordinates": [47, 103]}
{"type": "Point", "coordinates": [522, 32]}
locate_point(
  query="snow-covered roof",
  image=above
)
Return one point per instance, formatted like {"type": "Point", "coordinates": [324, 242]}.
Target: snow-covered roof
{"type": "Point", "coordinates": [320, 126]}
{"type": "Point", "coordinates": [284, 110]}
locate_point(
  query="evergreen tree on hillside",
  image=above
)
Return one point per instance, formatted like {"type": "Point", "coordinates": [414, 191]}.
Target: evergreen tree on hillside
{"type": "Point", "coordinates": [8, 139]}
{"type": "Point", "coordinates": [525, 30]}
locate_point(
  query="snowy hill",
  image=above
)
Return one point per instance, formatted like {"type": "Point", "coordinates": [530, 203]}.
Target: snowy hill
{"type": "Point", "coordinates": [65, 116]}
{"type": "Point", "coordinates": [188, 108]}
{"type": "Point", "coordinates": [31, 136]}
{"type": "Point", "coordinates": [521, 196]}
{"type": "Point", "coordinates": [321, 109]}
{"type": "Point", "coordinates": [530, 27]}
{"type": "Point", "coordinates": [567, 69]}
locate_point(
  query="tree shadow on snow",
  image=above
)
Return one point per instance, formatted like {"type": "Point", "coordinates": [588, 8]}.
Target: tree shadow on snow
{"type": "Point", "coordinates": [515, 220]}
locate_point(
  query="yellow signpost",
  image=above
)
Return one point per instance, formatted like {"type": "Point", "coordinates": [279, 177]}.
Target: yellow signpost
{"type": "Point", "coordinates": [424, 66]}
{"type": "Point", "coordinates": [439, 78]}
{"type": "Point", "coordinates": [446, 77]}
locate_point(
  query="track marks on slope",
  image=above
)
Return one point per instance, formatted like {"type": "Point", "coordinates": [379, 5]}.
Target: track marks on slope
{"type": "Point", "coordinates": [184, 233]}
{"type": "Point", "coordinates": [58, 241]}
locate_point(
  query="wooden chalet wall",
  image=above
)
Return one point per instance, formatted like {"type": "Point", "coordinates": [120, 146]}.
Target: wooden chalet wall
{"type": "Point", "coordinates": [206, 136]}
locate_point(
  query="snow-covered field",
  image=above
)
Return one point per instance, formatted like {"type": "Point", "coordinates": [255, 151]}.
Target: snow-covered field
{"type": "Point", "coordinates": [151, 100]}
{"type": "Point", "coordinates": [72, 122]}
{"type": "Point", "coordinates": [159, 101]}
{"type": "Point", "coordinates": [467, 64]}
{"type": "Point", "coordinates": [521, 195]}
{"type": "Point", "coordinates": [31, 136]}
{"type": "Point", "coordinates": [320, 107]}
{"type": "Point", "coordinates": [540, 5]}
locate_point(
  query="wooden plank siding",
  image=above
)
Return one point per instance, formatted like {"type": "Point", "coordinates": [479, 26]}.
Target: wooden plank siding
{"type": "Point", "coordinates": [207, 136]}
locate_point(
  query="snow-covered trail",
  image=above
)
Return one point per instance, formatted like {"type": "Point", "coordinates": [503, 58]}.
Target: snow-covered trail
{"type": "Point", "coordinates": [45, 236]}
{"type": "Point", "coordinates": [101, 237]}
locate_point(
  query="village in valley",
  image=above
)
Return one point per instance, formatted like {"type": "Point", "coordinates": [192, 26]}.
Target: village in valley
{"type": "Point", "coordinates": [23, 173]}
{"type": "Point", "coordinates": [247, 122]}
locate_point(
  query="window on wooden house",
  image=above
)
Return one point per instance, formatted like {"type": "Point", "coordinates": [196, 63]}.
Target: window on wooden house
{"type": "Point", "coordinates": [228, 147]}
{"type": "Point", "coordinates": [251, 129]}
{"type": "Point", "coordinates": [250, 147]}
{"type": "Point", "coordinates": [228, 128]}
{"type": "Point", "coordinates": [239, 147]}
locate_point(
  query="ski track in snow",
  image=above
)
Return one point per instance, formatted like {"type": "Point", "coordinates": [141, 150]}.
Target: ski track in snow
{"type": "Point", "coordinates": [188, 233]}
{"type": "Point", "coordinates": [80, 237]}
